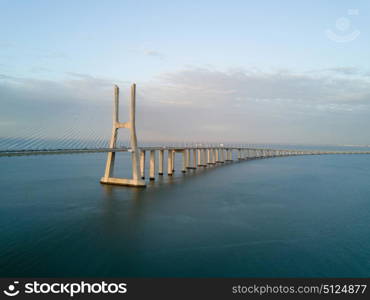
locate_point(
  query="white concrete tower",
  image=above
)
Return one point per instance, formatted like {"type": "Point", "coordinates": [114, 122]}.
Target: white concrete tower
{"type": "Point", "coordinates": [108, 175]}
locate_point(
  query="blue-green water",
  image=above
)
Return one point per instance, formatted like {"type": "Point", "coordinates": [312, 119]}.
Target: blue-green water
{"type": "Point", "coordinates": [280, 217]}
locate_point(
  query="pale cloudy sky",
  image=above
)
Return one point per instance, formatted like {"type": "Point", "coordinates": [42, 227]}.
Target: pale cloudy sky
{"type": "Point", "coordinates": [206, 71]}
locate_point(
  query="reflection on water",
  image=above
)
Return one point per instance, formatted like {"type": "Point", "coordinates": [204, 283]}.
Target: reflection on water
{"type": "Point", "coordinates": [278, 217]}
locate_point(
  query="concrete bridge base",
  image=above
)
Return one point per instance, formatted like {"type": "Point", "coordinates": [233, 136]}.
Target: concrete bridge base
{"type": "Point", "coordinates": [123, 181]}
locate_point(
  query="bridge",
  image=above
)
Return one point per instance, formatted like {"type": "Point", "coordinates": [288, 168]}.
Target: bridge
{"type": "Point", "coordinates": [193, 156]}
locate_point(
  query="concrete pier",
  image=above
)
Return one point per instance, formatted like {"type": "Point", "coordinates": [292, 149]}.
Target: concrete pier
{"type": "Point", "coordinates": [169, 162]}
{"type": "Point", "coordinates": [209, 157]}
{"type": "Point", "coordinates": [183, 170]}
{"type": "Point", "coordinates": [187, 153]}
{"type": "Point", "coordinates": [217, 151]}
{"type": "Point", "coordinates": [222, 155]}
{"type": "Point", "coordinates": [152, 165]}
{"type": "Point", "coordinates": [142, 164]}
{"type": "Point", "coordinates": [173, 160]}
{"type": "Point", "coordinates": [194, 159]}
{"type": "Point", "coordinates": [203, 158]}
{"type": "Point", "coordinates": [229, 155]}
{"type": "Point", "coordinates": [199, 158]}
{"type": "Point", "coordinates": [160, 161]}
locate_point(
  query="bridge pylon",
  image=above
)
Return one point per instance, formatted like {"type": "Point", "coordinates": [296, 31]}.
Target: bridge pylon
{"type": "Point", "coordinates": [109, 168]}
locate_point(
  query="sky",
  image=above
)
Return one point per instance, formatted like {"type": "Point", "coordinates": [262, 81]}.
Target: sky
{"type": "Point", "coordinates": [206, 71]}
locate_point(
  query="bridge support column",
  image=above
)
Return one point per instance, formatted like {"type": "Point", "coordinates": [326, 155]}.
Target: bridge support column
{"type": "Point", "coordinates": [109, 168]}
{"type": "Point", "coordinates": [173, 160]}
{"type": "Point", "coordinates": [217, 151]}
{"type": "Point", "coordinates": [169, 162]}
{"type": "Point", "coordinates": [204, 159]}
{"type": "Point", "coordinates": [142, 164]}
{"type": "Point", "coordinates": [187, 158]}
{"type": "Point", "coordinates": [194, 158]}
{"type": "Point", "coordinates": [199, 157]}
{"type": "Point", "coordinates": [184, 161]}
{"type": "Point", "coordinates": [209, 156]}
{"type": "Point", "coordinates": [223, 155]}
{"type": "Point", "coordinates": [229, 155]}
{"type": "Point", "coordinates": [160, 162]}
{"type": "Point", "coordinates": [152, 165]}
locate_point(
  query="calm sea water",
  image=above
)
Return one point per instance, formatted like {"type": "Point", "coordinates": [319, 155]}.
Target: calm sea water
{"type": "Point", "coordinates": [279, 217]}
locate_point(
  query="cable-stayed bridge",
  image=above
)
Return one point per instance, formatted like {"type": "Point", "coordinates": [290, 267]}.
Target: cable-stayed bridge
{"type": "Point", "coordinates": [193, 155]}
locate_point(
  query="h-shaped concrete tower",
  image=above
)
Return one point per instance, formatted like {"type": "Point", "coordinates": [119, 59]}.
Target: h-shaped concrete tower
{"type": "Point", "coordinates": [107, 178]}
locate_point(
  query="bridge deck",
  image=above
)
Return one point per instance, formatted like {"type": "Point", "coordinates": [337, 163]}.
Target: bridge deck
{"type": "Point", "coordinates": [156, 148]}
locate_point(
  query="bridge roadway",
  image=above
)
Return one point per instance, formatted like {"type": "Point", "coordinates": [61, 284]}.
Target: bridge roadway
{"type": "Point", "coordinates": [155, 148]}
{"type": "Point", "coordinates": [173, 148]}
{"type": "Point", "coordinates": [58, 151]}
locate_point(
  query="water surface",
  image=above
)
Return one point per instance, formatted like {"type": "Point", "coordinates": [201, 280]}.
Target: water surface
{"type": "Point", "coordinates": [306, 216]}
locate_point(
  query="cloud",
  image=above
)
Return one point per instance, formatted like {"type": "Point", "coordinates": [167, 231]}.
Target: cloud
{"type": "Point", "coordinates": [198, 105]}
{"type": "Point", "coordinates": [149, 52]}
{"type": "Point", "coordinates": [342, 71]}
{"type": "Point", "coordinates": [345, 70]}
{"type": "Point", "coordinates": [243, 105]}
{"type": "Point", "coordinates": [154, 53]}
{"type": "Point", "coordinates": [204, 87]}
